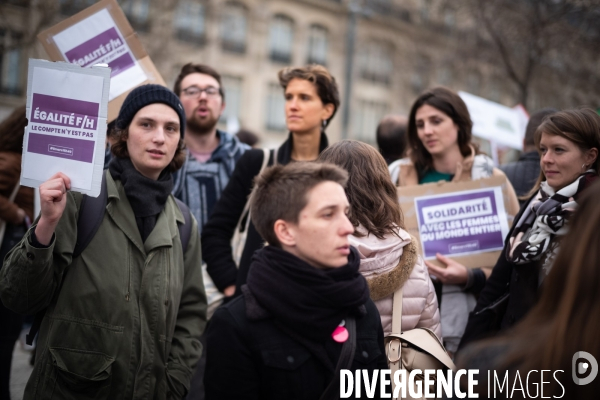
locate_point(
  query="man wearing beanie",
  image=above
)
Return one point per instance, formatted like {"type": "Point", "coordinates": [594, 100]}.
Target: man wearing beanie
{"type": "Point", "coordinates": [210, 161]}
{"type": "Point", "coordinates": [123, 316]}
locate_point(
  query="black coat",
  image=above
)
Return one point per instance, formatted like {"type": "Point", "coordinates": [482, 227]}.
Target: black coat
{"type": "Point", "coordinates": [255, 359]}
{"type": "Point", "coordinates": [523, 173]}
{"type": "Point", "coordinates": [509, 293]}
{"type": "Point", "coordinates": [219, 230]}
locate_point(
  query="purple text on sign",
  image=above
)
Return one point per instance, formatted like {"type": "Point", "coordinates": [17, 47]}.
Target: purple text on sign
{"type": "Point", "coordinates": [55, 110]}
{"type": "Point", "coordinates": [104, 47]}
{"type": "Point", "coordinates": [459, 223]}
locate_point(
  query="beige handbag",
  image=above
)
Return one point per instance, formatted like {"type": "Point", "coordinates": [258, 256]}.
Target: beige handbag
{"type": "Point", "coordinates": [418, 348]}
{"type": "Point", "coordinates": [11, 199]}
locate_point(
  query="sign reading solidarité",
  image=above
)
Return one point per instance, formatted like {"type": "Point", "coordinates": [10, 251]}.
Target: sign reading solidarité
{"type": "Point", "coordinates": [462, 223]}
{"type": "Point", "coordinates": [66, 110]}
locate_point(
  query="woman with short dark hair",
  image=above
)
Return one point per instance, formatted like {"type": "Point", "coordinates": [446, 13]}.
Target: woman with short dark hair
{"type": "Point", "coordinates": [124, 317]}
{"type": "Point", "coordinates": [561, 327]}
{"type": "Point", "coordinates": [311, 101]}
{"type": "Point", "coordinates": [568, 142]}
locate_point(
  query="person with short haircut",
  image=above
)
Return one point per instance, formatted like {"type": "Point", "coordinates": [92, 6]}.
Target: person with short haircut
{"type": "Point", "coordinates": [391, 137]}
{"type": "Point", "coordinates": [122, 319]}
{"type": "Point", "coordinates": [311, 101]}
{"type": "Point", "coordinates": [389, 258]}
{"type": "Point", "coordinates": [211, 153]}
{"type": "Point", "coordinates": [568, 142]}
{"type": "Point", "coordinates": [563, 324]}
{"type": "Point", "coordinates": [305, 301]}
{"type": "Point", "coordinates": [523, 173]}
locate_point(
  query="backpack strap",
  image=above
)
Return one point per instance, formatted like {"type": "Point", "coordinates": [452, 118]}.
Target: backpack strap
{"type": "Point", "coordinates": [91, 214]}
{"type": "Point", "coordinates": [185, 229]}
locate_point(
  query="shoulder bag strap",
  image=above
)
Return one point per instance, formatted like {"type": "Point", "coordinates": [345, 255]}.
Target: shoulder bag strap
{"type": "Point", "coordinates": [344, 362]}
{"type": "Point", "coordinates": [245, 216]}
{"type": "Point", "coordinates": [247, 206]}
{"type": "Point", "coordinates": [394, 345]}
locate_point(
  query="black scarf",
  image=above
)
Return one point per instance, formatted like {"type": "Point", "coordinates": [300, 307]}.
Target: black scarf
{"type": "Point", "coordinates": [146, 196]}
{"type": "Point", "coordinates": [308, 301]}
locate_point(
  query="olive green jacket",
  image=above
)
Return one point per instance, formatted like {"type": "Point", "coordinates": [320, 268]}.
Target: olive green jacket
{"type": "Point", "coordinates": [124, 318]}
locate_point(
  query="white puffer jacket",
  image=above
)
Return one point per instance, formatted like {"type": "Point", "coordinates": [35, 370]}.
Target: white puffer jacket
{"type": "Point", "coordinates": [380, 265]}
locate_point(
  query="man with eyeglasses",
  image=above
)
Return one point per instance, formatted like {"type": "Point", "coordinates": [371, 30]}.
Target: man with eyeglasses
{"type": "Point", "coordinates": [212, 155]}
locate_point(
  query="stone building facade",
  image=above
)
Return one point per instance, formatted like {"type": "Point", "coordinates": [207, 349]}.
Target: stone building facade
{"type": "Point", "coordinates": [382, 53]}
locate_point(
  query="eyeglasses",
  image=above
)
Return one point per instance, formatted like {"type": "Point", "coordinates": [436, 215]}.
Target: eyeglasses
{"type": "Point", "coordinates": [195, 91]}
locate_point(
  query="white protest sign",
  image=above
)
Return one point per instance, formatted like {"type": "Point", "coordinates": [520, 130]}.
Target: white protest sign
{"type": "Point", "coordinates": [66, 132]}
{"type": "Point", "coordinates": [96, 40]}
{"type": "Point", "coordinates": [494, 122]}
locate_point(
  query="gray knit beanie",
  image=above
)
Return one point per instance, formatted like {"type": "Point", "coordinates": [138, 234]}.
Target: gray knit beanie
{"type": "Point", "coordinates": [145, 95]}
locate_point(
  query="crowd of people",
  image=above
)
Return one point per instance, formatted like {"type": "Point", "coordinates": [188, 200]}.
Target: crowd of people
{"type": "Point", "coordinates": [291, 258]}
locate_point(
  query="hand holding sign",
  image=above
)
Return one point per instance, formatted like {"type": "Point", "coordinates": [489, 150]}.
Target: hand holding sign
{"type": "Point", "coordinates": [53, 199]}
{"type": "Point", "coordinates": [453, 274]}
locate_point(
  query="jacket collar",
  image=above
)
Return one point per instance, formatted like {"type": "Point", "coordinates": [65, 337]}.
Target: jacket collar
{"type": "Point", "coordinates": [121, 213]}
{"type": "Point", "coordinates": [284, 154]}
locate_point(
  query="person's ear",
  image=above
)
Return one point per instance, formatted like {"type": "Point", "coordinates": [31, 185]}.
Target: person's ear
{"type": "Point", "coordinates": [327, 111]}
{"type": "Point", "coordinates": [591, 156]}
{"type": "Point", "coordinates": [285, 233]}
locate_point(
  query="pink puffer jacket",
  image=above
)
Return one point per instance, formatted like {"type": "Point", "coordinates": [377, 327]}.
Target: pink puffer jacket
{"type": "Point", "coordinates": [380, 265]}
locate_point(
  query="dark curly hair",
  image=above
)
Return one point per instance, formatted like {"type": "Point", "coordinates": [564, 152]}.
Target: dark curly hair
{"type": "Point", "coordinates": [318, 75]}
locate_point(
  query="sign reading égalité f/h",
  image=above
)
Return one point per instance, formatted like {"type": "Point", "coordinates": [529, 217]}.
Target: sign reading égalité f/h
{"type": "Point", "coordinates": [461, 223]}
{"type": "Point", "coordinates": [97, 40]}
{"type": "Point", "coordinates": [106, 48]}
{"type": "Point", "coordinates": [66, 110]}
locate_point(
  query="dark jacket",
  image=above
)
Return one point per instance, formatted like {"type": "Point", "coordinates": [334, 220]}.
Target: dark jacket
{"type": "Point", "coordinates": [509, 293]}
{"type": "Point", "coordinates": [124, 318]}
{"type": "Point", "coordinates": [270, 365]}
{"type": "Point", "coordinates": [219, 230]}
{"type": "Point", "coordinates": [523, 173]}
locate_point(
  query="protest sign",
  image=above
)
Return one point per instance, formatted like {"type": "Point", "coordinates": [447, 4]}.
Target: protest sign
{"type": "Point", "coordinates": [467, 221]}
{"type": "Point", "coordinates": [102, 34]}
{"type": "Point", "coordinates": [66, 131]}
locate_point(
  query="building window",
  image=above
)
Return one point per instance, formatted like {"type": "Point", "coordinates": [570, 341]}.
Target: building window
{"type": "Point", "coordinates": [317, 45]}
{"type": "Point", "coordinates": [70, 7]}
{"type": "Point", "coordinates": [366, 118]}
{"type": "Point", "coordinates": [232, 86]}
{"type": "Point", "coordinates": [421, 75]}
{"type": "Point", "coordinates": [233, 28]}
{"type": "Point", "coordinates": [376, 64]}
{"type": "Point", "coordinates": [10, 64]}
{"type": "Point", "coordinates": [190, 21]}
{"type": "Point", "coordinates": [281, 36]}
{"type": "Point", "coordinates": [275, 117]}
{"type": "Point", "coordinates": [445, 76]}
{"type": "Point", "coordinates": [137, 13]}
